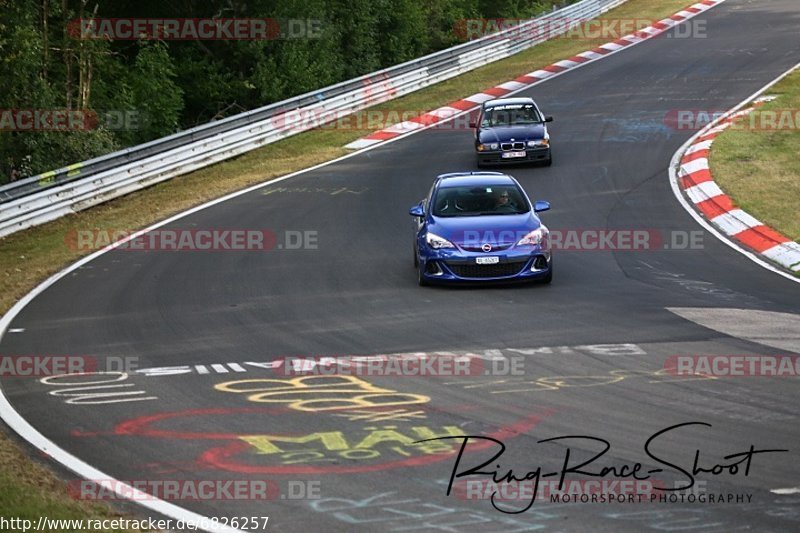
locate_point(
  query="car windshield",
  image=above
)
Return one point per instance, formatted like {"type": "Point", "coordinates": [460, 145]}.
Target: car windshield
{"type": "Point", "coordinates": [486, 200]}
{"type": "Point", "coordinates": [510, 116]}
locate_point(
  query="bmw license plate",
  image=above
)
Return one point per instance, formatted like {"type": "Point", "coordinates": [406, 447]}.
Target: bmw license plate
{"type": "Point", "coordinates": [510, 155]}
{"type": "Point", "coordinates": [487, 260]}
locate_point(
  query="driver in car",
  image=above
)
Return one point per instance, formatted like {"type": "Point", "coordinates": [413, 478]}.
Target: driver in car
{"type": "Point", "coordinates": [504, 203]}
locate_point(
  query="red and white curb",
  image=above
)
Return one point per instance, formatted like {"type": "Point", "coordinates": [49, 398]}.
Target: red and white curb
{"type": "Point", "coordinates": [696, 182]}
{"type": "Point", "coordinates": [532, 78]}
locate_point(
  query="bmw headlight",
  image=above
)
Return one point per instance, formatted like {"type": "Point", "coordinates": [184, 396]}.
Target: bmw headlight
{"type": "Point", "coordinates": [534, 238]}
{"type": "Point", "coordinates": [539, 142]}
{"type": "Point", "coordinates": [436, 242]}
{"type": "Point", "coordinates": [486, 147]}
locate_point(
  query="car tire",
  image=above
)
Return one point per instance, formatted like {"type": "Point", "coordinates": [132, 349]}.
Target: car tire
{"type": "Point", "coordinates": [549, 161]}
{"type": "Point", "coordinates": [421, 281]}
{"type": "Point", "coordinates": [548, 279]}
{"type": "Point", "coordinates": [416, 259]}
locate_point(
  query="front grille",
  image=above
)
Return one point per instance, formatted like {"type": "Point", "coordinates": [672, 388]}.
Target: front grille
{"type": "Point", "coordinates": [513, 146]}
{"type": "Point", "coordinates": [495, 248]}
{"type": "Point", "coordinates": [500, 270]}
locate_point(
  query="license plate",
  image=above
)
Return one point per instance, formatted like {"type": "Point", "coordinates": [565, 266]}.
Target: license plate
{"type": "Point", "coordinates": [487, 260]}
{"type": "Point", "coordinates": [510, 155]}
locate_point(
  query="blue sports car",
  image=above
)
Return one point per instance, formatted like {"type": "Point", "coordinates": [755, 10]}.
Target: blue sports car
{"type": "Point", "coordinates": [480, 226]}
{"type": "Point", "coordinates": [512, 130]}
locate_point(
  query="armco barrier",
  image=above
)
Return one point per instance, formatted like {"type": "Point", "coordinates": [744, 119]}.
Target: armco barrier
{"type": "Point", "coordinates": [48, 196]}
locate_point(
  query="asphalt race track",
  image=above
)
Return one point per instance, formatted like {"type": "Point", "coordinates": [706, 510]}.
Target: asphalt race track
{"type": "Point", "coordinates": [356, 294]}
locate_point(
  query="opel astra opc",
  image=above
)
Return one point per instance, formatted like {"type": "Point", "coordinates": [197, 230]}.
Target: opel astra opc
{"type": "Point", "coordinates": [480, 226]}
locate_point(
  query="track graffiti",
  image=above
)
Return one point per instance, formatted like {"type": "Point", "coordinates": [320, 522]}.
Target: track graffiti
{"type": "Point", "coordinates": [95, 388]}
{"type": "Point", "coordinates": [358, 427]}
{"type": "Point", "coordinates": [555, 383]}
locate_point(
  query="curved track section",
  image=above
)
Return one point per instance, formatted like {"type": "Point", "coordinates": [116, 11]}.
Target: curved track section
{"type": "Point", "coordinates": [593, 345]}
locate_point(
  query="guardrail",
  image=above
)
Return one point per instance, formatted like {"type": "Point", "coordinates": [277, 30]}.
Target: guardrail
{"type": "Point", "coordinates": [48, 196]}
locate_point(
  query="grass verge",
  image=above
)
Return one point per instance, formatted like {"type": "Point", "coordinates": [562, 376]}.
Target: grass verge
{"type": "Point", "coordinates": [758, 166]}
{"type": "Point", "coordinates": [26, 258]}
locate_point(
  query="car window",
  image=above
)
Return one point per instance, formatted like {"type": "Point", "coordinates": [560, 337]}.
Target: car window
{"type": "Point", "coordinates": [488, 200]}
{"type": "Point", "coordinates": [510, 116]}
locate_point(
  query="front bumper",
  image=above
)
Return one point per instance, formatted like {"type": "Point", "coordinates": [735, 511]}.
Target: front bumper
{"type": "Point", "coordinates": [457, 266]}
{"type": "Point", "coordinates": [531, 155]}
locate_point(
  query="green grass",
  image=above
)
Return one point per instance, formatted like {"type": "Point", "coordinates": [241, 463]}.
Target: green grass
{"type": "Point", "coordinates": [28, 490]}
{"type": "Point", "coordinates": [760, 167]}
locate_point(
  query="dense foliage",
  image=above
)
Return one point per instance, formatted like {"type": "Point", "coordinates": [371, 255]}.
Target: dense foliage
{"type": "Point", "coordinates": [144, 89]}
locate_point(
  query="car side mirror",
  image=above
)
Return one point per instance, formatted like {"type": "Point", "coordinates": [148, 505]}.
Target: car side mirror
{"type": "Point", "coordinates": [540, 206]}
{"type": "Point", "coordinates": [417, 210]}
{"type": "Point", "coordinates": [548, 118]}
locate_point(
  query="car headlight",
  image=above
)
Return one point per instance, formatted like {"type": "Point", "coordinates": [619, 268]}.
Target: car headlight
{"type": "Point", "coordinates": [436, 242]}
{"type": "Point", "coordinates": [485, 147]}
{"type": "Point", "coordinates": [539, 142]}
{"type": "Point", "coordinates": [534, 238]}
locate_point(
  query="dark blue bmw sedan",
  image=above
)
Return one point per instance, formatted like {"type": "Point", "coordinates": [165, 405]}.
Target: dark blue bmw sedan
{"type": "Point", "coordinates": [512, 130]}
{"type": "Point", "coordinates": [480, 226]}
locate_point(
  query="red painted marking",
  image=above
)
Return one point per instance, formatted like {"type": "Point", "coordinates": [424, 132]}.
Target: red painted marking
{"type": "Point", "coordinates": [579, 59]}
{"type": "Point", "coordinates": [140, 426]}
{"type": "Point", "coordinates": [696, 178]}
{"type": "Point", "coordinates": [660, 25]}
{"type": "Point", "coordinates": [716, 206]}
{"type": "Point", "coordinates": [527, 79]}
{"type": "Point", "coordinates": [677, 17]}
{"type": "Point", "coordinates": [427, 119]}
{"type": "Point", "coordinates": [708, 137]}
{"type": "Point", "coordinates": [221, 457]}
{"type": "Point", "coordinates": [497, 91]}
{"type": "Point", "coordinates": [760, 238]}
{"type": "Point", "coordinates": [623, 42]}
{"type": "Point", "coordinates": [601, 50]}
{"type": "Point", "coordinates": [700, 154]}
{"type": "Point", "coordinates": [693, 9]}
{"type": "Point", "coordinates": [382, 135]}
{"type": "Point", "coordinates": [463, 105]}
{"type": "Point", "coordinates": [554, 68]}
{"type": "Point", "coordinates": [709, 2]}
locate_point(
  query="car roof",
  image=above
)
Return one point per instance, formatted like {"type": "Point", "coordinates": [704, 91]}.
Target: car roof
{"type": "Point", "coordinates": [461, 179]}
{"type": "Point", "coordinates": [508, 101]}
